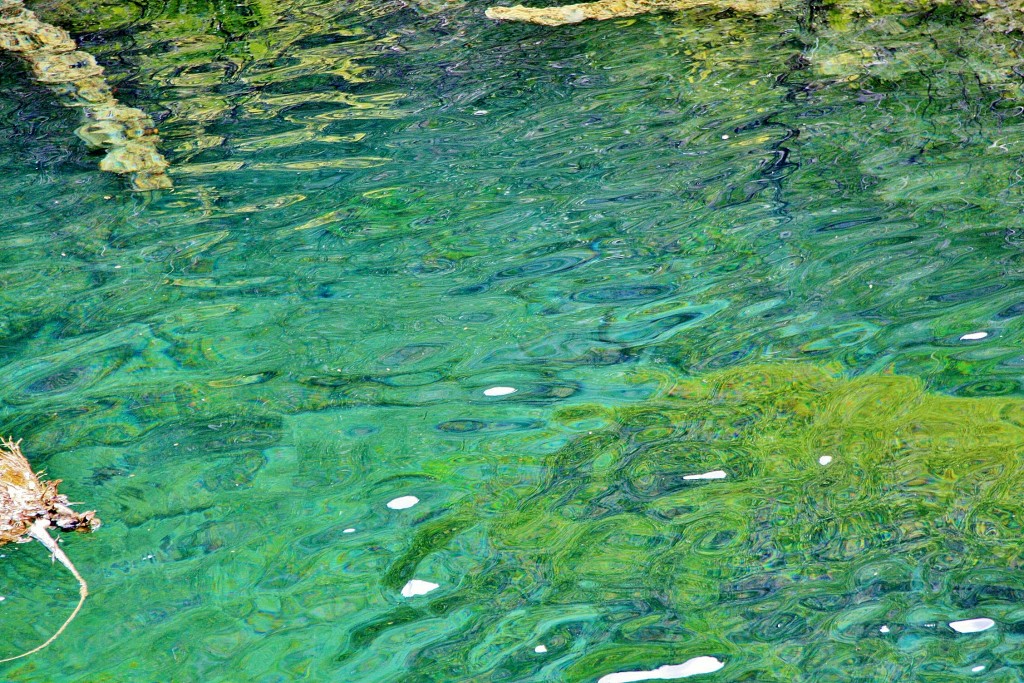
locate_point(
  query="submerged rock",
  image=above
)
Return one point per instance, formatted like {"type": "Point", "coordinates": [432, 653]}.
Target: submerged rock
{"type": "Point", "coordinates": [128, 134]}
{"type": "Point", "coordinates": [1003, 15]}
{"type": "Point", "coordinates": [617, 9]}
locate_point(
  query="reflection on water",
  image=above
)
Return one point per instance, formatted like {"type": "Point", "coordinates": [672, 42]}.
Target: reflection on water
{"type": "Point", "coordinates": [476, 351]}
{"type": "Point", "coordinates": [125, 134]}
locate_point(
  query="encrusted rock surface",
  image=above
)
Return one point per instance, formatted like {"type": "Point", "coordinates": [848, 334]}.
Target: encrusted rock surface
{"type": "Point", "coordinates": [127, 134]}
{"type": "Point", "coordinates": [1005, 15]}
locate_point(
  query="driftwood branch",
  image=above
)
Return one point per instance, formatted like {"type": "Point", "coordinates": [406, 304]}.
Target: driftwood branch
{"type": "Point", "coordinates": [29, 508]}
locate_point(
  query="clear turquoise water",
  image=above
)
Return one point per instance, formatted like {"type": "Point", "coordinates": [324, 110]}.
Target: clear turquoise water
{"type": "Point", "coordinates": [380, 213]}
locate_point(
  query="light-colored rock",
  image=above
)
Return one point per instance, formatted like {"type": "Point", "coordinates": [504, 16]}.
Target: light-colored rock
{"type": "Point", "coordinates": [128, 134]}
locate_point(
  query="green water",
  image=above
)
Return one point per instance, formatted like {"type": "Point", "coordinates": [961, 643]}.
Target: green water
{"type": "Point", "coordinates": [691, 244]}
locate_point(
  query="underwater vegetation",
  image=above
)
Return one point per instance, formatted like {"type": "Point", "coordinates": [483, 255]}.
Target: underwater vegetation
{"type": "Point", "coordinates": [781, 518]}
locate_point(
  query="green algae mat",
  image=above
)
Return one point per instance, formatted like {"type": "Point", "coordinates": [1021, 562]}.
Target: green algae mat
{"type": "Point", "coordinates": [681, 346]}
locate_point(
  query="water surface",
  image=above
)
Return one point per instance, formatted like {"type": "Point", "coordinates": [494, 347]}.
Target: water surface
{"type": "Point", "coordinates": [692, 244]}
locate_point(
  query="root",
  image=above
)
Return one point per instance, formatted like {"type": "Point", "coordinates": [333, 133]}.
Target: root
{"type": "Point", "coordinates": [39, 532]}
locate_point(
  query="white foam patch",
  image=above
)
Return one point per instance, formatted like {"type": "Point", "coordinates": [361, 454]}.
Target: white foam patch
{"type": "Point", "coordinates": [972, 625]}
{"type": "Point", "coordinates": [825, 460]}
{"type": "Point", "coordinates": [403, 502]}
{"type": "Point", "coordinates": [974, 336]}
{"type": "Point", "coordinates": [692, 667]}
{"type": "Point", "coordinates": [717, 474]}
{"type": "Point", "coordinates": [540, 649]}
{"type": "Point", "coordinates": [417, 587]}
{"type": "Point", "coordinates": [500, 391]}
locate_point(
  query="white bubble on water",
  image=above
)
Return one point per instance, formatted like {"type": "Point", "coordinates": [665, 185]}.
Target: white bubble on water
{"type": "Point", "coordinates": [972, 625]}
{"type": "Point", "coordinates": [717, 474]}
{"type": "Point", "coordinates": [691, 667]}
{"type": "Point", "coordinates": [417, 587]}
{"type": "Point", "coordinates": [403, 502]}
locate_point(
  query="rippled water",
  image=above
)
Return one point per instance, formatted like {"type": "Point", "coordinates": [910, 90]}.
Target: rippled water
{"type": "Point", "coordinates": [694, 245]}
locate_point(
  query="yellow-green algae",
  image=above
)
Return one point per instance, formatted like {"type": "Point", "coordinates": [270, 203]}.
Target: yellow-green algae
{"type": "Point", "coordinates": [791, 560]}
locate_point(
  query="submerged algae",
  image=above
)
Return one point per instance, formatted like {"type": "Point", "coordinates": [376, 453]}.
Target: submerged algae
{"type": "Point", "coordinates": [847, 505]}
